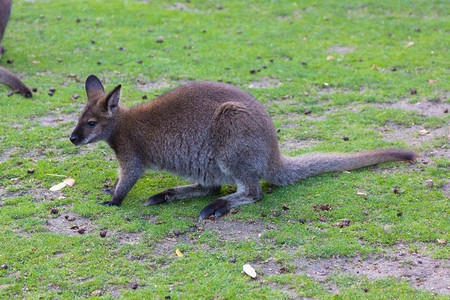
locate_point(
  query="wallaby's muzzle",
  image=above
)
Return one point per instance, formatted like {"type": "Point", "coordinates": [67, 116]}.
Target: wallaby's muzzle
{"type": "Point", "coordinates": [74, 139]}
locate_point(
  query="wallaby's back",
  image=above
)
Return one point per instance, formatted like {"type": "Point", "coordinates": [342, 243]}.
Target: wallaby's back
{"type": "Point", "coordinates": [176, 129]}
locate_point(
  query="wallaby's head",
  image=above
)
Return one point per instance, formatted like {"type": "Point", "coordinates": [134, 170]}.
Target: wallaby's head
{"type": "Point", "coordinates": [97, 120]}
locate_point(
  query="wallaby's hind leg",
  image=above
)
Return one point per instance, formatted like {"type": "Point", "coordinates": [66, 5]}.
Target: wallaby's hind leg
{"type": "Point", "coordinates": [248, 191]}
{"type": "Point", "coordinates": [182, 192]}
{"type": "Point", "coordinates": [243, 139]}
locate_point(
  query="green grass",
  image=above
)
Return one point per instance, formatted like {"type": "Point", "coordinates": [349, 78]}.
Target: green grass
{"type": "Point", "coordinates": [289, 42]}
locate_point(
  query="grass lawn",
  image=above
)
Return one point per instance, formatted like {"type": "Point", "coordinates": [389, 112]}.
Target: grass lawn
{"type": "Point", "coordinates": [373, 71]}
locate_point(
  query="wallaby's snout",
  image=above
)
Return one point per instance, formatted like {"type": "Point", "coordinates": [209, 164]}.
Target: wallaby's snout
{"type": "Point", "coordinates": [74, 138]}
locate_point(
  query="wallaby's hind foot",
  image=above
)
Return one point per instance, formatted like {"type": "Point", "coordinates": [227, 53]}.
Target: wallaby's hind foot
{"type": "Point", "coordinates": [182, 192]}
{"type": "Point", "coordinates": [247, 192]}
{"type": "Point", "coordinates": [109, 203]}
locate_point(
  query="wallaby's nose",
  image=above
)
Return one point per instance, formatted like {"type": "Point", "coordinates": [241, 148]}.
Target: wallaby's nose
{"type": "Point", "coordinates": [73, 139]}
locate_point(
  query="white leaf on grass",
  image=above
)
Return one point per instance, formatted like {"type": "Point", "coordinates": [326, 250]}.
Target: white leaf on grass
{"type": "Point", "coordinates": [66, 182]}
{"type": "Point", "coordinates": [249, 270]}
{"type": "Point", "coordinates": [69, 181]}
{"type": "Point", "coordinates": [58, 187]}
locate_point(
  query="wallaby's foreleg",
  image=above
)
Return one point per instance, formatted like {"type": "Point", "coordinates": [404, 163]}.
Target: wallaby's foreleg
{"type": "Point", "coordinates": [127, 178]}
{"type": "Point", "coordinates": [182, 192]}
{"type": "Point", "coordinates": [248, 191]}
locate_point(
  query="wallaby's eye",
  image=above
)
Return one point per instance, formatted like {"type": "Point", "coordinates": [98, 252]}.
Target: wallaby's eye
{"type": "Point", "coordinates": [92, 123]}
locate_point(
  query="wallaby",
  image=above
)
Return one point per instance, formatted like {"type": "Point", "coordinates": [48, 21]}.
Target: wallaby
{"type": "Point", "coordinates": [211, 133]}
{"type": "Point", "coordinates": [6, 76]}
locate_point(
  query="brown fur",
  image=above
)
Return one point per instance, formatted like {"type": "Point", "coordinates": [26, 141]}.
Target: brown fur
{"type": "Point", "coordinates": [210, 133]}
{"type": "Point", "coordinates": [6, 76]}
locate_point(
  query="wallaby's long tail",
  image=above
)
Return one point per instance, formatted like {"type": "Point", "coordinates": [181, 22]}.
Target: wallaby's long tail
{"type": "Point", "coordinates": [296, 168]}
{"type": "Point", "coordinates": [11, 80]}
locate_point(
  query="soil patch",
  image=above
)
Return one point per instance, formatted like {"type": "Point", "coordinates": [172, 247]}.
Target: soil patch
{"type": "Point", "coordinates": [69, 224]}
{"type": "Point", "coordinates": [264, 83]}
{"type": "Point", "coordinates": [426, 108]}
{"type": "Point", "coordinates": [421, 271]}
{"type": "Point", "coordinates": [289, 145]}
{"type": "Point", "coordinates": [415, 135]}
{"type": "Point", "coordinates": [56, 120]}
{"type": "Point", "coordinates": [153, 85]}
{"type": "Point", "coordinates": [225, 230]}
{"type": "Point", "coordinates": [38, 194]}
{"type": "Point", "coordinates": [340, 49]}
{"type": "Point", "coordinates": [180, 6]}
{"type": "Point", "coordinates": [235, 231]}
{"type": "Point", "coordinates": [126, 238]}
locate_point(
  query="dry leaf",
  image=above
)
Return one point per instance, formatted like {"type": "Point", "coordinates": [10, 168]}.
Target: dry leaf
{"type": "Point", "coordinates": [361, 194]}
{"type": "Point", "coordinates": [178, 252]}
{"type": "Point", "coordinates": [409, 44]}
{"type": "Point", "coordinates": [346, 172]}
{"type": "Point", "coordinates": [330, 57]}
{"type": "Point", "coordinates": [69, 181]}
{"type": "Point", "coordinates": [441, 241]}
{"type": "Point", "coordinates": [66, 182]}
{"type": "Point", "coordinates": [423, 132]}
{"type": "Point", "coordinates": [249, 270]}
{"type": "Point", "coordinates": [432, 81]}
{"type": "Point", "coordinates": [58, 187]}
{"type": "Point", "coordinates": [374, 67]}
{"type": "Point", "coordinates": [35, 62]}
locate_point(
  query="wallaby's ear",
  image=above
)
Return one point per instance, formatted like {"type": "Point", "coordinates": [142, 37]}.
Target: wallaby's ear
{"type": "Point", "coordinates": [110, 102]}
{"type": "Point", "coordinates": [94, 88]}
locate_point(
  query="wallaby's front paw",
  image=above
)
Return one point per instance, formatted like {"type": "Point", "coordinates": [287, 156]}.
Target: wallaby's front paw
{"type": "Point", "coordinates": [109, 203]}
{"type": "Point", "coordinates": [107, 190]}
{"type": "Point", "coordinates": [159, 198]}
{"type": "Point", "coordinates": [218, 208]}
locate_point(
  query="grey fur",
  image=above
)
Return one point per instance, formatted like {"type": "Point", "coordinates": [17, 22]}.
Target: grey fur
{"type": "Point", "coordinates": [210, 133]}
{"type": "Point", "coordinates": [6, 76]}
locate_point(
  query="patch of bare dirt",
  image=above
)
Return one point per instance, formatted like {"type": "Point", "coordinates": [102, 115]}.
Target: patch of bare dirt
{"type": "Point", "coordinates": [69, 224]}
{"type": "Point", "coordinates": [126, 238]}
{"type": "Point", "coordinates": [38, 194]}
{"type": "Point", "coordinates": [55, 120]}
{"type": "Point", "coordinates": [235, 231]}
{"type": "Point", "coordinates": [421, 271]}
{"type": "Point", "coordinates": [180, 6]}
{"type": "Point", "coordinates": [291, 145]}
{"type": "Point", "coordinates": [153, 85]}
{"type": "Point", "coordinates": [340, 49]}
{"type": "Point", "coordinates": [329, 90]}
{"type": "Point", "coordinates": [446, 189]}
{"type": "Point", "coordinates": [225, 230]}
{"type": "Point", "coordinates": [426, 108]}
{"type": "Point", "coordinates": [6, 155]}
{"type": "Point", "coordinates": [264, 83]}
{"type": "Point", "coordinates": [415, 135]}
